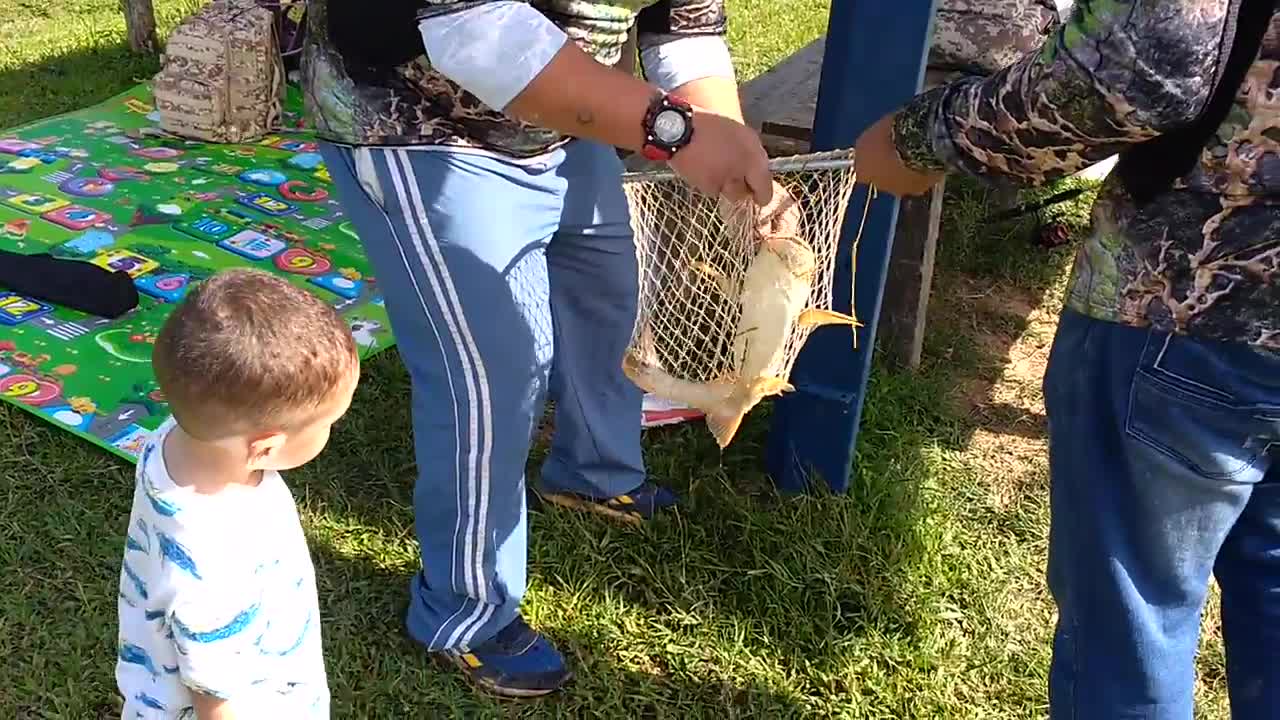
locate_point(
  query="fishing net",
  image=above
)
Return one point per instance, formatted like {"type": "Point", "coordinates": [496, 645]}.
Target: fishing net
{"type": "Point", "coordinates": [692, 342]}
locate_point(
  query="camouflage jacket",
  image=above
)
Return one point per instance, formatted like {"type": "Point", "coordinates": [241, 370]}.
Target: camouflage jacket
{"type": "Point", "coordinates": [412, 104]}
{"type": "Point", "coordinates": [980, 37]}
{"type": "Point", "coordinates": [1204, 258]}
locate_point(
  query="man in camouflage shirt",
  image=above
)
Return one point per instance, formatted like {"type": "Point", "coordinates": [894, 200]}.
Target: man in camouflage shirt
{"type": "Point", "coordinates": [473, 147]}
{"type": "Point", "coordinates": [1163, 387]}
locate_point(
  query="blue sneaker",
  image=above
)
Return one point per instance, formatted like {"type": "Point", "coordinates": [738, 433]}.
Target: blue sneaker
{"type": "Point", "coordinates": [634, 507]}
{"type": "Point", "coordinates": [518, 662]}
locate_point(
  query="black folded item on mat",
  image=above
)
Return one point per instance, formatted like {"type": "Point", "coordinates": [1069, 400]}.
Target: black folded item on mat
{"type": "Point", "coordinates": [70, 283]}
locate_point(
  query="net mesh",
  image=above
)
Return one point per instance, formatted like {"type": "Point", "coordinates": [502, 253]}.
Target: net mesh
{"type": "Point", "coordinates": [702, 263]}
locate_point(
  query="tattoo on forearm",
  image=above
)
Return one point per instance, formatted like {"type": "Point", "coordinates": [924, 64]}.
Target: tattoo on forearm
{"type": "Point", "coordinates": [586, 117]}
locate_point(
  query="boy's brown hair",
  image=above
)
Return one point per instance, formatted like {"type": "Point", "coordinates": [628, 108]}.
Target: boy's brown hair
{"type": "Point", "coordinates": [247, 352]}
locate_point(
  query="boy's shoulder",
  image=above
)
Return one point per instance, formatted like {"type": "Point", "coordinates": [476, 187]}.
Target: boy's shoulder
{"type": "Point", "coordinates": [158, 499]}
{"type": "Point", "coordinates": [200, 537]}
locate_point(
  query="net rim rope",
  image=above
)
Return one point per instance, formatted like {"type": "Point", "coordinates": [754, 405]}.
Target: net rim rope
{"type": "Point", "coordinates": [826, 160]}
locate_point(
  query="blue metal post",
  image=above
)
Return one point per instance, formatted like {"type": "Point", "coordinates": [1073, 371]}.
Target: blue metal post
{"type": "Point", "coordinates": [874, 61]}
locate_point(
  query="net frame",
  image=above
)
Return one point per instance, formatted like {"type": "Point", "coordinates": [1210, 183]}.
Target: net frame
{"type": "Point", "coordinates": [693, 252]}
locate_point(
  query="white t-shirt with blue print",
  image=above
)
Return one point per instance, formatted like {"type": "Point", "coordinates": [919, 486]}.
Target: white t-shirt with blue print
{"type": "Point", "coordinates": [218, 595]}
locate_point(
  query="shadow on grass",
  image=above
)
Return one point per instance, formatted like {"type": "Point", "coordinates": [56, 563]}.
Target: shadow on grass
{"type": "Point", "coordinates": [64, 506]}
{"type": "Point", "coordinates": [376, 671]}
{"type": "Point", "coordinates": [741, 604]}
{"type": "Point", "coordinates": [738, 572]}
{"type": "Point", "coordinates": [60, 543]}
{"type": "Point", "coordinates": [990, 281]}
{"type": "Point", "coordinates": [70, 81]}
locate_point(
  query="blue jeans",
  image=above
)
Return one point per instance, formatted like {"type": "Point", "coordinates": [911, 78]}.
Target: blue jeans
{"type": "Point", "coordinates": [503, 282]}
{"type": "Point", "coordinates": [1164, 458]}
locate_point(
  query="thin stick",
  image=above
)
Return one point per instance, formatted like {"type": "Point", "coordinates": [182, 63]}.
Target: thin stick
{"type": "Point", "coordinates": [853, 265]}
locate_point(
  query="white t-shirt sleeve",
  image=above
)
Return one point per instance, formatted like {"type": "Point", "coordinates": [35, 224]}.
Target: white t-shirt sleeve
{"type": "Point", "coordinates": [492, 50]}
{"type": "Point", "coordinates": [670, 62]}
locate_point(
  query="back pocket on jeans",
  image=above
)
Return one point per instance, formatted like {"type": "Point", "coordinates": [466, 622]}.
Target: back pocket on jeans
{"type": "Point", "coordinates": [1203, 432]}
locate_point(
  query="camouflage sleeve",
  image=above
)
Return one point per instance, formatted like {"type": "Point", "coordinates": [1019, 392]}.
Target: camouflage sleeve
{"type": "Point", "coordinates": [1117, 72]}
{"type": "Point", "coordinates": [682, 18]}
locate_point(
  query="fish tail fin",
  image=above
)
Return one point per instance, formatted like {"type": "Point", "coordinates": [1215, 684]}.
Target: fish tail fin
{"type": "Point", "coordinates": [724, 422]}
{"type": "Point", "coordinates": [724, 426]}
{"type": "Point", "coordinates": [814, 317]}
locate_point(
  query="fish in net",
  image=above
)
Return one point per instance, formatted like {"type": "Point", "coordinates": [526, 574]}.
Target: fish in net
{"type": "Point", "coordinates": [730, 292]}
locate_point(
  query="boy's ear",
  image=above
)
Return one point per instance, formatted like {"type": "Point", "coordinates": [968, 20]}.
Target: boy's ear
{"type": "Point", "coordinates": [263, 449]}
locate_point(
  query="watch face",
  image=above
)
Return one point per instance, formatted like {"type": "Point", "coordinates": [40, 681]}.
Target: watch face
{"type": "Point", "coordinates": [669, 126]}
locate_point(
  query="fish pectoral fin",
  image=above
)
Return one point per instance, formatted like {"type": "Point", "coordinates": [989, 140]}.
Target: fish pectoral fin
{"type": "Point", "coordinates": [726, 288]}
{"type": "Point", "coordinates": [705, 268]}
{"type": "Point", "coordinates": [722, 282]}
{"type": "Point", "coordinates": [724, 424]}
{"type": "Point", "coordinates": [814, 317]}
{"type": "Point", "coordinates": [772, 385]}
{"type": "Point", "coordinates": [648, 345]}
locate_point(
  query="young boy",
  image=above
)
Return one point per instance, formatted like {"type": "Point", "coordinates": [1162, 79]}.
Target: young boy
{"type": "Point", "coordinates": [217, 607]}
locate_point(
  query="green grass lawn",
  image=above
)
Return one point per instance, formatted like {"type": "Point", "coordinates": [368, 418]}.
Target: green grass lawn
{"type": "Point", "coordinates": [918, 595]}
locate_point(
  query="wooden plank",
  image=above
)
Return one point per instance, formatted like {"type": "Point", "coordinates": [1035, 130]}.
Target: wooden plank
{"type": "Point", "coordinates": [911, 264]}
{"type": "Point", "coordinates": [907, 288]}
{"type": "Point", "coordinates": [781, 102]}
{"type": "Point", "coordinates": [786, 95]}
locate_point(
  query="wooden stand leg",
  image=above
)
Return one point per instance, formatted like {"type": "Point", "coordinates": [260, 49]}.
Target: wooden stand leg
{"type": "Point", "coordinates": [906, 293]}
{"type": "Point", "coordinates": [140, 25]}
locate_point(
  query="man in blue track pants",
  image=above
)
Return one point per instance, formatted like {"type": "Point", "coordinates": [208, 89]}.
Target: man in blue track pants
{"type": "Point", "coordinates": [473, 145]}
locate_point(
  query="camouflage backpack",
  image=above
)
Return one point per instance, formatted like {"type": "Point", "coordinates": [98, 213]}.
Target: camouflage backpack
{"type": "Point", "coordinates": [980, 37]}
{"type": "Point", "coordinates": [222, 78]}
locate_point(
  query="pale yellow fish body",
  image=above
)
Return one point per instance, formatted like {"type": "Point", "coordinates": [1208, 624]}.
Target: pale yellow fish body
{"type": "Point", "coordinates": [653, 379]}
{"type": "Point", "coordinates": [775, 291]}
{"type": "Point", "coordinates": [774, 297]}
